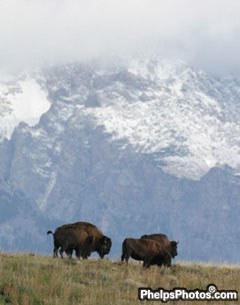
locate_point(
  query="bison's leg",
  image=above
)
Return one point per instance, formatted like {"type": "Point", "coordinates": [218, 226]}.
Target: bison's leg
{"type": "Point", "coordinates": [61, 252]}
{"type": "Point", "coordinates": [55, 251]}
{"type": "Point", "coordinates": [125, 256]}
{"type": "Point", "coordinates": [147, 262]}
{"type": "Point", "coordinates": [69, 253]}
{"type": "Point", "coordinates": [85, 253]}
{"type": "Point", "coordinates": [56, 247]}
{"type": "Point", "coordinates": [125, 252]}
{"type": "Point", "coordinates": [167, 260]}
{"type": "Point", "coordinates": [78, 253]}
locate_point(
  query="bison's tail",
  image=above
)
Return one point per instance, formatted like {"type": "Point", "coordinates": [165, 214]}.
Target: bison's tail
{"type": "Point", "coordinates": [49, 232]}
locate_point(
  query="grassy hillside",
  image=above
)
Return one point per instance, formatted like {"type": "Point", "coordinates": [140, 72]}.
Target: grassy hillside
{"type": "Point", "coordinates": [27, 279]}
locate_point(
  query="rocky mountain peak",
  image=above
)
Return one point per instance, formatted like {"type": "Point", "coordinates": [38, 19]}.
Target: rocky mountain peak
{"type": "Point", "coordinates": [148, 143]}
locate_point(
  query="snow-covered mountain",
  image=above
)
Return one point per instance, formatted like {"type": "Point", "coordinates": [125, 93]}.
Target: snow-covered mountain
{"type": "Point", "coordinates": [182, 116]}
{"type": "Point", "coordinates": [16, 96]}
{"type": "Point", "coordinates": [188, 120]}
{"type": "Point", "coordinates": [136, 147]}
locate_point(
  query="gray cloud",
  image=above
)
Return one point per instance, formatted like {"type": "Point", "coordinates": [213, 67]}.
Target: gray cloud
{"type": "Point", "coordinates": [35, 32]}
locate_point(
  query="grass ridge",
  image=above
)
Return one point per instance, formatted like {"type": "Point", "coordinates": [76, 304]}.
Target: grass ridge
{"type": "Point", "coordinates": [27, 279]}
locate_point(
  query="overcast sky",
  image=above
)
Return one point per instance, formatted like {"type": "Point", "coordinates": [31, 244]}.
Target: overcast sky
{"type": "Point", "coordinates": [205, 33]}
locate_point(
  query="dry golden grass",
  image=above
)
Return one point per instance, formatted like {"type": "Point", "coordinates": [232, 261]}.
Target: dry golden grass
{"type": "Point", "coordinates": [37, 280]}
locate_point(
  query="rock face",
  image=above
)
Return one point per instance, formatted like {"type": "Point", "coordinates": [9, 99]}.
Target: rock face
{"type": "Point", "coordinates": [148, 146]}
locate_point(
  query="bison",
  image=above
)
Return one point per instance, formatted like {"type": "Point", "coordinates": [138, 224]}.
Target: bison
{"type": "Point", "coordinates": [101, 243]}
{"type": "Point", "coordinates": [71, 238]}
{"type": "Point", "coordinates": [83, 237]}
{"type": "Point", "coordinates": [169, 246]}
{"type": "Point", "coordinates": [149, 251]}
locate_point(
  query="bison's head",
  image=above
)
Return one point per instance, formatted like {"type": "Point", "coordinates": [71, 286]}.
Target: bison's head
{"type": "Point", "coordinates": [105, 244]}
{"type": "Point", "coordinates": [173, 249]}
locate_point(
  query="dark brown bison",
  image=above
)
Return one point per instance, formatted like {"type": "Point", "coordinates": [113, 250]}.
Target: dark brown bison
{"type": "Point", "coordinates": [71, 238]}
{"type": "Point", "coordinates": [169, 246]}
{"type": "Point", "coordinates": [83, 237]}
{"type": "Point", "coordinates": [146, 250]}
{"type": "Point", "coordinates": [101, 243]}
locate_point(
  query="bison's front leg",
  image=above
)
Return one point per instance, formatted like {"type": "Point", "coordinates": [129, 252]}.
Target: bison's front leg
{"type": "Point", "coordinates": [78, 253]}
{"type": "Point", "coordinates": [167, 260]}
{"type": "Point", "coordinates": [147, 262]}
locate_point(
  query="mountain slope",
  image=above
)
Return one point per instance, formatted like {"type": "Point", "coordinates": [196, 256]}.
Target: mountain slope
{"type": "Point", "coordinates": [148, 146]}
{"type": "Point", "coordinates": [182, 116]}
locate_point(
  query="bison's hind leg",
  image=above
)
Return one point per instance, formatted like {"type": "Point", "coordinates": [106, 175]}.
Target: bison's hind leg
{"type": "Point", "coordinates": [69, 252]}
{"type": "Point", "coordinates": [125, 256]}
{"type": "Point", "coordinates": [61, 252]}
{"type": "Point", "coordinates": [122, 257]}
{"type": "Point", "coordinates": [125, 252]}
{"type": "Point", "coordinates": [55, 251]}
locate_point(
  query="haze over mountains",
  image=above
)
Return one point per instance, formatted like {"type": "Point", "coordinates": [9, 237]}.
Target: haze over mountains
{"type": "Point", "coordinates": [136, 147]}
